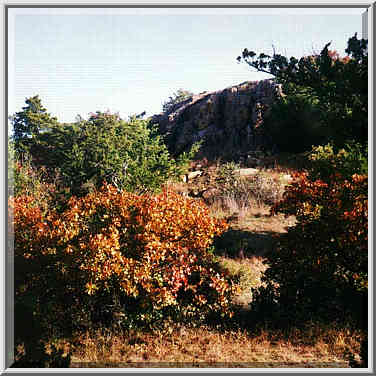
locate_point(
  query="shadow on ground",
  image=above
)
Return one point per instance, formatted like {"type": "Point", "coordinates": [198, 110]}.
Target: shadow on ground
{"type": "Point", "coordinates": [236, 243]}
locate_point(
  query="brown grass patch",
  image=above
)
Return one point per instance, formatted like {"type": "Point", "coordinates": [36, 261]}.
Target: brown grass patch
{"type": "Point", "coordinates": [205, 347]}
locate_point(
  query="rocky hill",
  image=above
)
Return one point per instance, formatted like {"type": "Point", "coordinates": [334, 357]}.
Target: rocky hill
{"type": "Point", "coordinates": [227, 121]}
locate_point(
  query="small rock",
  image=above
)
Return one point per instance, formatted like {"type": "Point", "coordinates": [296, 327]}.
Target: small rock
{"type": "Point", "coordinates": [247, 171]}
{"type": "Point", "coordinates": [194, 174]}
{"type": "Point", "coordinates": [287, 177]}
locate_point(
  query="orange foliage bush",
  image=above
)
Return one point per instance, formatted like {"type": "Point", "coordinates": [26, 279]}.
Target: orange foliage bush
{"type": "Point", "coordinates": [334, 215]}
{"type": "Point", "coordinates": [151, 250]}
{"type": "Point", "coordinates": [322, 261]}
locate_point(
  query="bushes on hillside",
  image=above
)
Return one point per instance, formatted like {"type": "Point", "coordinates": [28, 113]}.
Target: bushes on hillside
{"type": "Point", "coordinates": [127, 154]}
{"type": "Point", "coordinates": [293, 124]}
{"type": "Point", "coordinates": [326, 160]}
{"type": "Point", "coordinates": [321, 264]}
{"type": "Point", "coordinates": [144, 258]}
{"type": "Point", "coordinates": [242, 191]}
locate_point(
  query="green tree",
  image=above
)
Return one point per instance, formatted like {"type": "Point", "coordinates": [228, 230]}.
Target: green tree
{"type": "Point", "coordinates": [177, 97]}
{"type": "Point", "coordinates": [293, 124]}
{"type": "Point", "coordinates": [29, 123]}
{"type": "Point", "coordinates": [338, 86]}
{"type": "Point", "coordinates": [130, 155]}
{"type": "Point", "coordinates": [53, 145]}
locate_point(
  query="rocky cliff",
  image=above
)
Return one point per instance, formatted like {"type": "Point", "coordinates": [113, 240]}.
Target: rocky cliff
{"type": "Point", "coordinates": [227, 121]}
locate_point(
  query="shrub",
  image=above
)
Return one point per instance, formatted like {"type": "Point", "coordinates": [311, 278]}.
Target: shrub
{"type": "Point", "coordinates": [325, 161]}
{"type": "Point", "coordinates": [143, 257]}
{"type": "Point", "coordinates": [129, 155]}
{"type": "Point", "coordinates": [226, 176]}
{"type": "Point", "coordinates": [363, 363]}
{"type": "Point", "coordinates": [265, 189]}
{"type": "Point", "coordinates": [293, 124]}
{"type": "Point", "coordinates": [26, 179]}
{"type": "Point", "coordinates": [321, 264]}
{"type": "Point", "coordinates": [240, 192]}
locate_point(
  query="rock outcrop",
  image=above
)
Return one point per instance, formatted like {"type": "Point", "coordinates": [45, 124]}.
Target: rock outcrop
{"type": "Point", "coordinates": [227, 121]}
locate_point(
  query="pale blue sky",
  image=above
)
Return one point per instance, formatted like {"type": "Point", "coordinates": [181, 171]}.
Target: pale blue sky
{"type": "Point", "coordinates": [128, 61]}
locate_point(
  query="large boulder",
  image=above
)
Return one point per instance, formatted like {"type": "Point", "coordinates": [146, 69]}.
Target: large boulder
{"type": "Point", "coordinates": [227, 121]}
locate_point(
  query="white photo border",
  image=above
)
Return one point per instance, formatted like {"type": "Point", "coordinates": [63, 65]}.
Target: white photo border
{"type": "Point", "coordinates": [6, 290]}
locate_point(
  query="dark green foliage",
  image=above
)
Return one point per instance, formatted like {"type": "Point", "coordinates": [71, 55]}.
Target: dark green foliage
{"type": "Point", "coordinates": [50, 148]}
{"type": "Point", "coordinates": [106, 148]}
{"type": "Point", "coordinates": [130, 155]}
{"type": "Point", "coordinates": [293, 124]}
{"type": "Point", "coordinates": [337, 86]}
{"type": "Point", "coordinates": [29, 123]}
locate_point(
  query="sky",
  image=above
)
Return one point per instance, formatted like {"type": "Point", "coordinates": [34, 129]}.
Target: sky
{"type": "Point", "coordinates": [131, 60]}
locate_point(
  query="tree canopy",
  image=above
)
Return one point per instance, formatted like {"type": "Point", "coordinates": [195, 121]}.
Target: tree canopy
{"type": "Point", "coordinates": [107, 148]}
{"type": "Point", "coordinates": [29, 123]}
{"type": "Point", "coordinates": [104, 148]}
{"type": "Point", "coordinates": [339, 86]}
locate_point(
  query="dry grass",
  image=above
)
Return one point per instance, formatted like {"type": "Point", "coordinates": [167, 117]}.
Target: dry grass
{"type": "Point", "coordinates": [258, 219]}
{"type": "Point", "coordinates": [252, 234]}
{"type": "Point", "coordinates": [206, 347]}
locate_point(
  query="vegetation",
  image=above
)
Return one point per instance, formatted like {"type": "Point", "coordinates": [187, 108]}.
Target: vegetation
{"type": "Point", "coordinates": [336, 88]}
{"type": "Point", "coordinates": [104, 148]}
{"type": "Point", "coordinates": [320, 265]}
{"type": "Point", "coordinates": [325, 161]}
{"type": "Point", "coordinates": [237, 193]}
{"type": "Point", "coordinates": [30, 123]}
{"type": "Point", "coordinates": [128, 155]}
{"type": "Point", "coordinates": [319, 268]}
{"type": "Point", "coordinates": [143, 257]}
{"type": "Point", "coordinates": [113, 262]}
{"type": "Point", "coordinates": [294, 124]}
